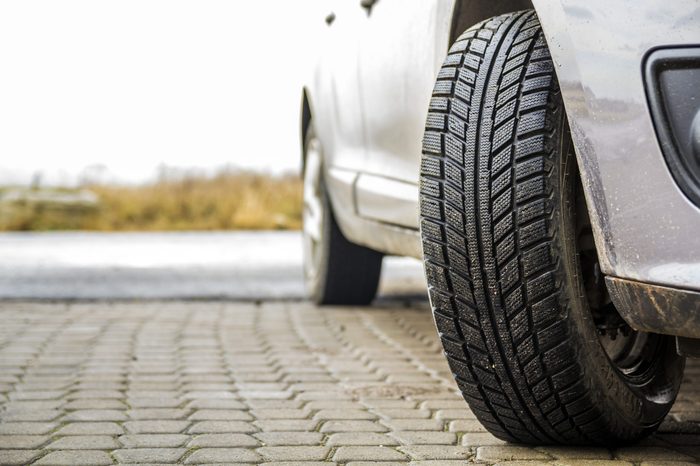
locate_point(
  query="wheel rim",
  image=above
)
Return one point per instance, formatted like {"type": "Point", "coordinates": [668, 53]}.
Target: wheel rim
{"type": "Point", "coordinates": [631, 352]}
{"type": "Point", "coordinates": [313, 213]}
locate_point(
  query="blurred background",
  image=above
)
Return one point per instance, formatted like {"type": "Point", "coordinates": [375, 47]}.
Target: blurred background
{"type": "Point", "coordinates": [137, 115]}
{"type": "Point", "coordinates": [165, 116]}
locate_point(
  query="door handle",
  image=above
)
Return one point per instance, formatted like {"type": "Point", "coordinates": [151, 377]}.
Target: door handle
{"type": "Point", "coordinates": [368, 5]}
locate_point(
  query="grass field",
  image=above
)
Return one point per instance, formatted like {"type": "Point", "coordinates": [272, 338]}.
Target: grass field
{"type": "Point", "coordinates": [227, 201]}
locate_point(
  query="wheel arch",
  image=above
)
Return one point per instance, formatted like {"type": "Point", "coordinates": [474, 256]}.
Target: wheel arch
{"type": "Point", "coordinates": [305, 121]}
{"type": "Point", "coordinates": [467, 13]}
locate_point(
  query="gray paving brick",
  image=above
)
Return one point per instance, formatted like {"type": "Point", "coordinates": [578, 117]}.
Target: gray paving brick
{"type": "Point", "coordinates": [282, 425]}
{"type": "Point", "coordinates": [17, 442]}
{"type": "Point", "coordinates": [26, 428]}
{"type": "Point", "coordinates": [96, 415]}
{"type": "Point", "coordinates": [290, 438]}
{"type": "Point", "coordinates": [76, 458]}
{"type": "Point", "coordinates": [299, 463]}
{"type": "Point", "coordinates": [149, 455]}
{"type": "Point", "coordinates": [509, 452]}
{"type": "Point", "coordinates": [222, 455]}
{"type": "Point", "coordinates": [342, 414]}
{"type": "Point", "coordinates": [154, 402]}
{"type": "Point", "coordinates": [403, 413]}
{"type": "Point", "coordinates": [83, 442]}
{"type": "Point", "coordinates": [436, 452]}
{"type": "Point", "coordinates": [375, 463]}
{"type": "Point", "coordinates": [11, 457]}
{"type": "Point", "coordinates": [588, 463]}
{"type": "Point", "coordinates": [153, 440]}
{"type": "Point", "coordinates": [157, 414]}
{"type": "Point", "coordinates": [156, 427]}
{"type": "Point", "coordinates": [213, 427]}
{"type": "Point", "coordinates": [352, 426]}
{"type": "Point", "coordinates": [90, 428]}
{"type": "Point", "coordinates": [581, 453]}
{"type": "Point", "coordinates": [15, 415]}
{"type": "Point", "coordinates": [415, 424]}
{"type": "Point", "coordinates": [293, 453]}
{"type": "Point", "coordinates": [220, 415]}
{"type": "Point", "coordinates": [94, 404]}
{"type": "Point", "coordinates": [425, 437]}
{"type": "Point", "coordinates": [38, 395]}
{"type": "Point", "coordinates": [480, 439]}
{"type": "Point", "coordinates": [223, 440]}
{"type": "Point", "coordinates": [367, 453]}
{"type": "Point", "coordinates": [216, 404]}
{"type": "Point", "coordinates": [277, 413]}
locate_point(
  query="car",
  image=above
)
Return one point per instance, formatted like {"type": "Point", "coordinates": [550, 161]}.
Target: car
{"type": "Point", "coordinates": [543, 159]}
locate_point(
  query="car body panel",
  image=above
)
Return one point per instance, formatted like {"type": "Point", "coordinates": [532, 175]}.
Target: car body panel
{"type": "Point", "coordinates": [387, 200]}
{"type": "Point", "coordinates": [646, 229]}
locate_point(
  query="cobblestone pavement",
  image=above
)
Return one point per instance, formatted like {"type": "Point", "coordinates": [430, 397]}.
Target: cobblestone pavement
{"type": "Point", "coordinates": [282, 383]}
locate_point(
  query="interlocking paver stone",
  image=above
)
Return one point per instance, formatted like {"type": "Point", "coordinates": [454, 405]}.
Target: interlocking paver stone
{"type": "Point", "coordinates": [97, 415]}
{"type": "Point", "coordinates": [156, 427]}
{"type": "Point", "coordinates": [426, 438]}
{"type": "Point", "coordinates": [26, 428]}
{"type": "Point", "coordinates": [290, 438]}
{"type": "Point", "coordinates": [212, 427]}
{"type": "Point", "coordinates": [11, 457]}
{"type": "Point", "coordinates": [90, 428]}
{"type": "Point", "coordinates": [223, 440]}
{"type": "Point", "coordinates": [276, 383]}
{"type": "Point", "coordinates": [367, 453]}
{"type": "Point", "coordinates": [153, 440]}
{"type": "Point", "coordinates": [352, 426]}
{"type": "Point", "coordinates": [220, 414]}
{"type": "Point", "coordinates": [293, 453]}
{"type": "Point", "coordinates": [436, 452]}
{"type": "Point", "coordinates": [9, 442]}
{"type": "Point", "coordinates": [282, 425]}
{"type": "Point", "coordinates": [76, 458]}
{"type": "Point", "coordinates": [83, 442]}
{"type": "Point", "coordinates": [223, 455]}
{"type": "Point", "coordinates": [509, 452]}
{"type": "Point", "coordinates": [149, 455]}
{"type": "Point", "coordinates": [361, 438]}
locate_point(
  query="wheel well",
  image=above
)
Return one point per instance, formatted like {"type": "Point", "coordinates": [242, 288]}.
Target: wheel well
{"type": "Point", "coordinates": [305, 122]}
{"type": "Point", "coordinates": [469, 12]}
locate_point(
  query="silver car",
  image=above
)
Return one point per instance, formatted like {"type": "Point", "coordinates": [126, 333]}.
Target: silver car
{"type": "Point", "coordinates": [543, 159]}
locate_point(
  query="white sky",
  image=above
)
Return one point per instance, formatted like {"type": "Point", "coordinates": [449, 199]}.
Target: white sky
{"type": "Point", "coordinates": [132, 84]}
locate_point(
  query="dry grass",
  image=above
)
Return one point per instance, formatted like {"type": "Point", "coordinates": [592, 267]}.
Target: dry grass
{"type": "Point", "coordinates": [227, 201]}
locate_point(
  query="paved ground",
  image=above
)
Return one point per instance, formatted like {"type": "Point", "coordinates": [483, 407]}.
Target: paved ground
{"type": "Point", "coordinates": [202, 265]}
{"type": "Point", "coordinates": [287, 383]}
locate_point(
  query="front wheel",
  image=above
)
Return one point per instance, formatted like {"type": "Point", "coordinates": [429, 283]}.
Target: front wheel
{"type": "Point", "coordinates": [336, 270]}
{"type": "Point", "coordinates": [534, 342]}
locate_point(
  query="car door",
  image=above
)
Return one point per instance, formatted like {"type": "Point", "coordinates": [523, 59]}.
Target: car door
{"type": "Point", "coordinates": [402, 47]}
{"type": "Point", "coordinates": [338, 118]}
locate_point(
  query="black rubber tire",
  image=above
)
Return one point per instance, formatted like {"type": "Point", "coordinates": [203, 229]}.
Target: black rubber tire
{"type": "Point", "coordinates": [498, 178]}
{"type": "Point", "coordinates": [348, 273]}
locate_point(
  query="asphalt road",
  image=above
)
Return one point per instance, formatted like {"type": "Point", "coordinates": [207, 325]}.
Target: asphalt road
{"type": "Point", "coordinates": [196, 265]}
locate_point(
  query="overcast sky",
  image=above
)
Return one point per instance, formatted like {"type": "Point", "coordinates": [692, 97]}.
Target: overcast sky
{"type": "Point", "coordinates": [133, 84]}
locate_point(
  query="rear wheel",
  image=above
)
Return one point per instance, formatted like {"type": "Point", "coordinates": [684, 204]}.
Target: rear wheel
{"type": "Point", "coordinates": [532, 338]}
{"type": "Point", "coordinates": [336, 271]}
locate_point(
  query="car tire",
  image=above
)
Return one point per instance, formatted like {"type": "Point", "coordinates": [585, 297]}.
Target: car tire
{"type": "Point", "coordinates": [336, 271]}
{"type": "Point", "coordinates": [532, 339]}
